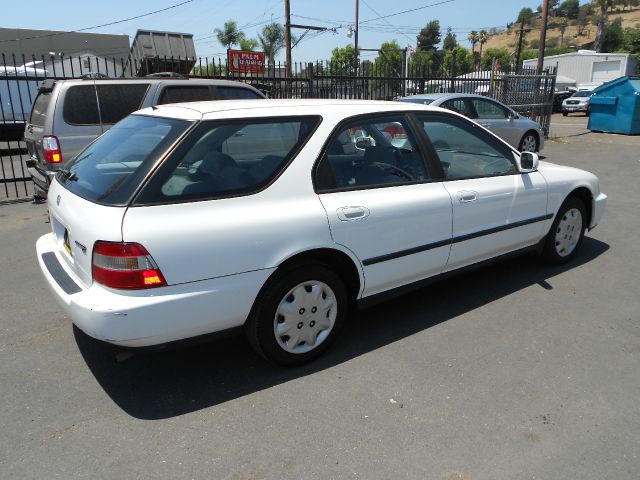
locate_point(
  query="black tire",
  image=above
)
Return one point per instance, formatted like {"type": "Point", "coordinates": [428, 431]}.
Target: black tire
{"type": "Point", "coordinates": [534, 136]}
{"type": "Point", "coordinates": [564, 114]}
{"type": "Point", "coordinates": [260, 325]}
{"type": "Point", "coordinates": [550, 253]}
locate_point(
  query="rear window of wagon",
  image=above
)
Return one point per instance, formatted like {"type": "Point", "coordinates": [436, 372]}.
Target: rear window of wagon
{"type": "Point", "coordinates": [226, 158]}
{"type": "Point", "coordinates": [110, 170]}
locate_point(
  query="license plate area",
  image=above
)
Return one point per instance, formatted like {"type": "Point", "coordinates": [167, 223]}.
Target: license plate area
{"type": "Point", "coordinates": [67, 242]}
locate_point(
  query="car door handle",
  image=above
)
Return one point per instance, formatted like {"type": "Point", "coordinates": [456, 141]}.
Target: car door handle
{"type": "Point", "coordinates": [352, 213]}
{"type": "Point", "coordinates": [466, 196]}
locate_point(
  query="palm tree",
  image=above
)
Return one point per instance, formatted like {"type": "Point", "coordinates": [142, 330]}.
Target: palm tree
{"type": "Point", "coordinates": [473, 38]}
{"type": "Point", "coordinates": [483, 37]}
{"type": "Point", "coordinates": [272, 40]}
{"type": "Point", "coordinates": [230, 35]}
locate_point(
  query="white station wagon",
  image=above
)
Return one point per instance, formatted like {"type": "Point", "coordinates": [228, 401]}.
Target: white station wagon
{"type": "Point", "coordinates": [279, 216]}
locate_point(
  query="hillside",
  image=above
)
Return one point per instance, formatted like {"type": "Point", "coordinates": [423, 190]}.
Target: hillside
{"type": "Point", "coordinates": [509, 38]}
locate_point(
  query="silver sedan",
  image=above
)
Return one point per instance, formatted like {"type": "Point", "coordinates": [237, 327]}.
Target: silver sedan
{"type": "Point", "coordinates": [520, 132]}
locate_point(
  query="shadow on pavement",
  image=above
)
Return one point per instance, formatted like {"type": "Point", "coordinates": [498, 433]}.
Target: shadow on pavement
{"type": "Point", "coordinates": [166, 384]}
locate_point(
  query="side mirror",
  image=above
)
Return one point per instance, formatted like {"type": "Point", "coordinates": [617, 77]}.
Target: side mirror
{"type": "Point", "coordinates": [529, 162]}
{"type": "Point", "coordinates": [362, 143]}
{"type": "Point", "coordinates": [512, 116]}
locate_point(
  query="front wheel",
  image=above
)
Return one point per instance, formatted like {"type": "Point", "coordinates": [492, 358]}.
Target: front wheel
{"type": "Point", "coordinates": [566, 233]}
{"type": "Point", "coordinates": [298, 314]}
{"type": "Point", "coordinates": [529, 142]}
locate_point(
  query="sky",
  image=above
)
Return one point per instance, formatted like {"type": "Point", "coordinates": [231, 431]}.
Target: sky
{"type": "Point", "coordinates": [201, 17]}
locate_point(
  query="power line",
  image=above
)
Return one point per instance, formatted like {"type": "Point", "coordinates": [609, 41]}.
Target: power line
{"type": "Point", "coordinates": [102, 25]}
{"type": "Point", "coordinates": [385, 20]}
{"type": "Point", "coordinates": [408, 11]}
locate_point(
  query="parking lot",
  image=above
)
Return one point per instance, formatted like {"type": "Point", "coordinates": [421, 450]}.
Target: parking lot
{"type": "Point", "coordinates": [514, 371]}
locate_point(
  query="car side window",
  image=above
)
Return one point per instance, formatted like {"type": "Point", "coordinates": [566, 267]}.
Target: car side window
{"type": "Point", "coordinates": [466, 151]}
{"type": "Point", "coordinates": [458, 105]}
{"type": "Point", "coordinates": [236, 93]}
{"type": "Point", "coordinates": [185, 93]}
{"type": "Point", "coordinates": [489, 110]}
{"type": "Point", "coordinates": [228, 158]}
{"type": "Point", "coordinates": [369, 153]}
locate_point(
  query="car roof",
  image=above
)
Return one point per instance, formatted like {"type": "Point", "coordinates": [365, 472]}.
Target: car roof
{"type": "Point", "coordinates": [265, 108]}
{"type": "Point", "coordinates": [438, 96]}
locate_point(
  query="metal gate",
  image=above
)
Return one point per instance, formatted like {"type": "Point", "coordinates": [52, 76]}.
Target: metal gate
{"type": "Point", "coordinates": [527, 93]}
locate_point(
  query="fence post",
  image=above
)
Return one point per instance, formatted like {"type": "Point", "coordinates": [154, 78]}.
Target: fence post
{"type": "Point", "coordinates": [452, 87]}
{"type": "Point", "coordinates": [310, 75]}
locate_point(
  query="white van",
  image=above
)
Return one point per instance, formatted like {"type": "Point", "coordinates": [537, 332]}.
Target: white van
{"type": "Point", "coordinates": [18, 89]}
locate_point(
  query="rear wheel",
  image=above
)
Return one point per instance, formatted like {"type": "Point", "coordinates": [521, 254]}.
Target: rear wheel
{"type": "Point", "coordinates": [529, 142]}
{"type": "Point", "coordinates": [564, 114]}
{"type": "Point", "coordinates": [564, 238]}
{"type": "Point", "coordinates": [298, 314]}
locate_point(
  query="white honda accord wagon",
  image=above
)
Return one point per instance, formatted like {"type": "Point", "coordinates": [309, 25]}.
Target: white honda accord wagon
{"type": "Point", "coordinates": [278, 217]}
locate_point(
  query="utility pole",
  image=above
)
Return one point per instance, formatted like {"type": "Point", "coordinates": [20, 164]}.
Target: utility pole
{"type": "Point", "coordinates": [356, 38]}
{"type": "Point", "coordinates": [519, 51]}
{"type": "Point", "coordinates": [543, 36]}
{"type": "Point", "coordinates": [287, 37]}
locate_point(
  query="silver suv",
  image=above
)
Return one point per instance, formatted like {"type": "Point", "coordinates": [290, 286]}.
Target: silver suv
{"type": "Point", "coordinates": [67, 115]}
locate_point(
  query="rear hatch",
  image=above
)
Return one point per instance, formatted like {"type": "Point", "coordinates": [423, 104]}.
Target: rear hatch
{"type": "Point", "coordinates": [89, 197]}
{"type": "Point", "coordinates": [77, 224]}
{"type": "Point", "coordinates": [35, 127]}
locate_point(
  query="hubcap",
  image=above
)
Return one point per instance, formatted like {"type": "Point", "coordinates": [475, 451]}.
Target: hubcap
{"type": "Point", "coordinates": [305, 317]}
{"type": "Point", "coordinates": [529, 144]}
{"type": "Point", "coordinates": [568, 232]}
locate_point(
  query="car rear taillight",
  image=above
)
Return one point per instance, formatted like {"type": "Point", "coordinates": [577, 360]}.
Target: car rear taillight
{"type": "Point", "coordinates": [51, 148]}
{"type": "Point", "coordinates": [125, 266]}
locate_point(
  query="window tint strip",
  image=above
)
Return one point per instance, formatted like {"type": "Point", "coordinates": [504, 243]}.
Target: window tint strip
{"type": "Point", "coordinates": [462, 238]}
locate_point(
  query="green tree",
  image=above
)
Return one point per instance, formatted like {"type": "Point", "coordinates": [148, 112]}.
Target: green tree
{"type": "Point", "coordinates": [429, 36]}
{"type": "Point", "coordinates": [272, 40]}
{"type": "Point", "coordinates": [343, 60]}
{"type": "Point", "coordinates": [388, 63]}
{"type": "Point", "coordinates": [450, 41]}
{"type": "Point", "coordinates": [420, 61]}
{"type": "Point", "coordinates": [230, 35]}
{"type": "Point", "coordinates": [569, 9]}
{"type": "Point", "coordinates": [613, 37]}
{"type": "Point", "coordinates": [248, 44]}
{"type": "Point", "coordinates": [525, 15]}
{"type": "Point", "coordinates": [474, 37]}
{"type": "Point", "coordinates": [463, 61]}
{"type": "Point", "coordinates": [484, 37]}
{"type": "Point", "coordinates": [502, 55]}
{"type": "Point", "coordinates": [632, 39]}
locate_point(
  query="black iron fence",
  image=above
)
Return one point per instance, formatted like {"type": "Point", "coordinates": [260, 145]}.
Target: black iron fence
{"type": "Point", "coordinates": [526, 92]}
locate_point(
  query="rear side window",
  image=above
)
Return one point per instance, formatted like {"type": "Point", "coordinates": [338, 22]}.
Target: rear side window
{"type": "Point", "coordinates": [111, 169]}
{"type": "Point", "coordinates": [185, 94]}
{"type": "Point", "coordinates": [237, 93]}
{"type": "Point", "coordinates": [39, 109]}
{"type": "Point", "coordinates": [116, 102]}
{"type": "Point", "coordinates": [228, 158]}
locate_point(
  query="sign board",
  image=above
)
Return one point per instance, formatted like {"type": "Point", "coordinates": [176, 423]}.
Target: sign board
{"type": "Point", "coordinates": [243, 61]}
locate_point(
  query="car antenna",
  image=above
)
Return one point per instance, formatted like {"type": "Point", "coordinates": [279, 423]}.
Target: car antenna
{"type": "Point", "coordinates": [95, 89]}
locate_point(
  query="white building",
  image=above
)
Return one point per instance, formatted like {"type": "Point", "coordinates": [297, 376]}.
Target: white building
{"type": "Point", "coordinates": [77, 65]}
{"type": "Point", "coordinates": [588, 68]}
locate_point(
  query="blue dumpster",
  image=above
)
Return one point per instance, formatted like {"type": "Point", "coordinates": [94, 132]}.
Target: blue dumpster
{"type": "Point", "coordinates": [615, 107]}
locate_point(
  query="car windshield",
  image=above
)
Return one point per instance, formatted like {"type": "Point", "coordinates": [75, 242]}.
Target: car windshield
{"type": "Point", "coordinates": [586, 93]}
{"type": "Point", "coordinates": [110, 169]}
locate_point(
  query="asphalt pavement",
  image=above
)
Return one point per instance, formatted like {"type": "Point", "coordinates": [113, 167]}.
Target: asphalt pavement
{"type": "Point", "coordinates": [514, 371]}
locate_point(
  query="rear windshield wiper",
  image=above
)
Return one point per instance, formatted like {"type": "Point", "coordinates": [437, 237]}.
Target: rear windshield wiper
{"type": "Point", "coordinates": [68, 174]}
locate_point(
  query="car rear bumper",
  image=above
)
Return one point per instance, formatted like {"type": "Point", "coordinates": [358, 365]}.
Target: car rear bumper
{"type": "Point", "coordinates": [41, 178]}
{"type": "Point", "coordinates": [140, 318]}
{"type": "Point", "coordinates": [599, 203]}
